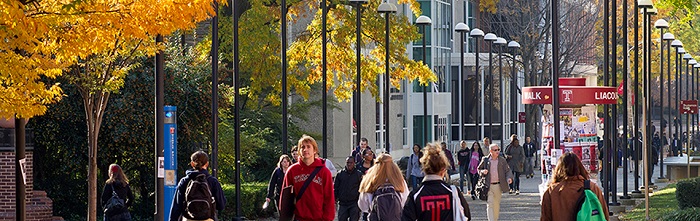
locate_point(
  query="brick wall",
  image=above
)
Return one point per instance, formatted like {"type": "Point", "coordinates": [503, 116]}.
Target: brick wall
{"type": "Point", "coordinates": [38, 208]}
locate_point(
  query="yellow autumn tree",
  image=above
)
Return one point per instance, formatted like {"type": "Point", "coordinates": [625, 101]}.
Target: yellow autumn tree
{"type": "Point", "coordinates": [95, 41]}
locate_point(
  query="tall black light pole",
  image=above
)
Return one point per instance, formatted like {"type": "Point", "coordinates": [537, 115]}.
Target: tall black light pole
{"type": "Point", "coordinates": [606, 107]}
{"type": "Point", "coordinates": [625, 112]}
{"type": "Point", "coordinates": [636, 143]}
{"type": "Point", "coordinates": [514, 46]}
{"type": "Point", "coordinates": [358, 74]}
{"type": "Point", "coordinates": [424, 21]}
{"type": "Point", "coordinates": [387, 9]}
{"type": "Point", "coordinates": [283, 52]}
{"type": "Point", "coordinates": [613, 118]}
{"type": "Point", "coordinates": [691, 78]}
{"type": "Point", "coordinates": [661, 24]}
{"type": "Point", "coordinates": [650, 110]}
{"type": "Point", "coordinates": [678, 45]}
{"type": "Point", "coordinates": [687, 57]}
{"type": "Point", "coordinates": [160, 117]}
{"type": "Point", "coordinates": [236, 103]}
{"type": "Point", "coordinates": [490, 38]}
{"type": "Point", "coordinates": [501, 43]}
{"type": "Point", "coordinates": [476, 34]}
{"type": "Point", "coordinates": [646, 5]}
{"type": "Point", "coordinates": [324, 70]}
{"type": "Point", "coordinates": [462, 29]}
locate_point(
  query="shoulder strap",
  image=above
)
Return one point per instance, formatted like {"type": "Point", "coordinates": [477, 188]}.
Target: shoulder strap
{"type": "Point", "coordinates": [308, 181]}
{"type": "Point", "coordinates": [587, 184]}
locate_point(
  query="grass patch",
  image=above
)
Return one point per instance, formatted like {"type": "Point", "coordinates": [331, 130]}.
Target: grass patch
{"type": "Point", "coordinates": [661, 203]}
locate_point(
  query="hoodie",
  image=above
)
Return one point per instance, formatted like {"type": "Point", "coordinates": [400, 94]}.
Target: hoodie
{"type": "Point", "coordinates": [179, 200]}
{"type": "Point", "coordinates": [317, 202]}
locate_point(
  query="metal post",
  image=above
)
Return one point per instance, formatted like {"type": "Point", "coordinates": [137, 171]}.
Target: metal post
{"type": "Point", "coordinates": [607, 146]}
{"type": "Point", "coordinates": [661, 101]}
{"type": "Point", "coordinates": [491, 85]}
{"type": "Point", "coordinates": [500, 93]}
{"type": "Point", "coordinates": [237, 105]}
{"type": "Point", "coordinates": [636, 146]}
{"type": "Point", "coordinates": [555, 70]}
{"type": "Point", "coordinates": [387, 88]}
{"type": "Point", "coordinates": [285, 100]}
{"type": "Point", "coordinates": [479, 86]}
{"type": "Point", "coordinates": [513, 100]}
{"type": "Point", "coordinates": [358, 83]}
{"type": "Point", "coordinates": [625, 81]}
{"type": "Point", "coordinates": [214, 90]}
{"type": "Point", "coordinates": [160, 115]}
{"type": "Point", "coordinates": [324, 69]}
{"type": "Point", "coordinates": [20, 164]}
{"type": "Point", "coordinates": [676, 121]}
{"type": "Point", "coordinates": [613, 119]}
{"type": "Point", "coordinates": [461, 90]}
{"type": "Point", "coordinates": [425, 95]}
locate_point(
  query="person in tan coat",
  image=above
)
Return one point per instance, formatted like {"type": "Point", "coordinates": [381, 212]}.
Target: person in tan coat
{"type": "Point", "coordinates": [495, 169]}
{"type": "Point", "coordinates": [559, 200]}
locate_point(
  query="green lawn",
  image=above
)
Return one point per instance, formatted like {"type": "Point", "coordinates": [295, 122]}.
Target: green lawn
{"type": "Point", "coordinates": [661, 203]}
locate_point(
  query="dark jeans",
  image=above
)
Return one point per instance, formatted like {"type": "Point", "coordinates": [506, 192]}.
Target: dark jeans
{"type": "Point", "coordinates": [475, 179]}
{"type": "Point", "coordinates": [349, 212]}
{"type": "Point", "coordinates": [416, 181]}
{"type": "Point", "coordinates": [515, 185]}
{"type": "Point", "coordinates": [464, 174]}
{"type": "Point", "coordinates": [119, 217]}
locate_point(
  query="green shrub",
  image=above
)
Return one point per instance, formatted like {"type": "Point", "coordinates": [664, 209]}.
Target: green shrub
{"type": "Point", "coordinates": [687, 193]}
{"type": "Point", "coordinates": [689, 214]}
{"type": "Point", "coordinates": [252, 199]}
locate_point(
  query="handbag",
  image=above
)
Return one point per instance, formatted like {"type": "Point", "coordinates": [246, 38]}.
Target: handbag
{"type": "Point", "coordinates": [458, 209]}
{"type": "Point", "coordinates": [482, 189]}
{"type": "Point", "coordinates": [288, 198]}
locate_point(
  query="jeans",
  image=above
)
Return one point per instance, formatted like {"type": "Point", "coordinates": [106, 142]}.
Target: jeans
{"type": "Point", "coordinates": [349, 212]}
{"type": "Point", "coordinates": [515, 185]}
{"type": "Point", "coordinates": [474, 178]}
{"type": "Point", "coordinates": [464, 174]}
{"type": "Point", "coordinates": [529, 164]}
{"type": "Point", "coordinates": [416, 181]}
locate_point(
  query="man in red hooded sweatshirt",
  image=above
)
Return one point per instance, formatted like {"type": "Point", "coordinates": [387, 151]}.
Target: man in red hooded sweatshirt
{"type": "Point", "coordinates": [317, 202]}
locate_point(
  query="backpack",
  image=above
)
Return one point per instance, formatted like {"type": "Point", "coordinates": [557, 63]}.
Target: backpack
{"type": "Point", "coordinates": [115, 204]}
{"type": "Point", "coordinates": [386, 204]}
{"type": "Point", "coordinates": [588, 206]}
{"type": "Point", "coordinates": [199, 203]}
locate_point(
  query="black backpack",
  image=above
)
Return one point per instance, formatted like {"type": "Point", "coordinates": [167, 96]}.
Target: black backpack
{"type": "Point", "coordinates": [115, 204]}
{"type": "Point", "coordinates": [386, 204]}
{"type": "Point", "coordinates": [199, 203]}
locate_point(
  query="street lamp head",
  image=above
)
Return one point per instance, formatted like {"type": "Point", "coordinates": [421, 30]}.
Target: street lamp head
{"type": "Point", "coordinates": [652, 11]}
{"type": "Point", "coordinates": [645, 4]}
{"type": "Point", "coordinates": [661, 23]}
{"type": "Point", "coordinates": [669, 37]}
{"type": "Point", "coordinates": [386, 7]}
{"type": "Point", "coordinates": [681, 51]}
{"type": "Point", "coordinates": [676, 43]}
{"type": "Point", "coordinates": [687, 56]}
{"type": "Point", "coordinates": [423, 20]}
{"type": "Point", "coordinates": [696, 66]}
{"type": "Point", "coordinates": [513, 44]}
{"type": "Point", "coordinates": [490, 37]}
{"type": "Point", "coordinates": [476, 33]}
{"type": "Point", "coordinates": [461, 27]}
{"type": "Point", "coordinates": [692, 62]}
{"type": "Point", "coordinates": [500, 41]}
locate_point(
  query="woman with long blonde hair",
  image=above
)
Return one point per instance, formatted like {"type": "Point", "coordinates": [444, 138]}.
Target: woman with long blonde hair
{"type": "Point", "coordinates": [385, 176]}
{"type": "Point", "coordinates": [117, 184]}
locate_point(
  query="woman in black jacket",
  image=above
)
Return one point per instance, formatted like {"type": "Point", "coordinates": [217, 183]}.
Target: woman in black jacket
{"type": "Point", "coordinates": [434, 194]}
{"type": "Point", "coordinates": [274, 188]}
{"type": "Point", "coordinates": [117, 184]}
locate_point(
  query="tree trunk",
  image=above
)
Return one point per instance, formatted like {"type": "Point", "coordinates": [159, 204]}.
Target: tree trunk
{"type": "Point", "coordinates": [94, 104]}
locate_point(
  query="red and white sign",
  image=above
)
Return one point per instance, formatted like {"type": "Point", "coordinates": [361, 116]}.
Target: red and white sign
{"type": "Point", "coordinates": [521, 117]}
{"type": "Point", "coordinates": [570, 95]}
{"type": "Point", "coordinates": [689, 107]}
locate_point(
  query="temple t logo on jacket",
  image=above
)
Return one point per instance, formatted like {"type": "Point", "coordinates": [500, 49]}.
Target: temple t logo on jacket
{"type": "Point", "coordinates": [302, 178]}
{"type": "Point", "coordinates": [435, 204]}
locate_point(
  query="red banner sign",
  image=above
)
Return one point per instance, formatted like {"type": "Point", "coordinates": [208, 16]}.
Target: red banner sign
{"type": "Point", "coordinates": [689, 107]}
{"type": "Point", "coordinates": [521, 117]}
{"type": "Point", "coordinates": [570, 95]}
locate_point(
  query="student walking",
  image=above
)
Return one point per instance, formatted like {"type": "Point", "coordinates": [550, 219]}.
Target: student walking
{"type": "Point", "coordinates": [560, 199]}
{"type": "Point", "coordinates": [435, 199]}
{"type": "Point", "coordinates": [198, 195]}
{"type": "Point", "coordinates": [367, 160]}
{"type": "Point", "coordinates": [530, 157]}
{"type": "Point", "coordinates": [475, 155]}
{"type": "Point", "coordinates": [413, 170]}
{"type": "Point", "coordinates": [274, 188]}
{"type": "Point", "coordinates": [346, 191]}
{"type": "Point", "coordinates": [463, 157]}
{"type": "Point", "coordinates": [383, 190]}
{"type": "Point", "coordinates": [317, 201]}
{"type": "Point", "coordinates": [117, 185]}
{"type": "Point", "coordinates": [515, 155]}
{"type": "Point", "coordinates": [497, 172]}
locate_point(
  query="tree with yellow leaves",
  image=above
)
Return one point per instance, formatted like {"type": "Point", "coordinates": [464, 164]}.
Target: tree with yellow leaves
{"type": "Point", "coordinates": [97, 41]}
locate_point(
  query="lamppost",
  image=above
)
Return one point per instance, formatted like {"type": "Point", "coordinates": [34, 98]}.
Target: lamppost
{"type": "Point", "coordinates": [679, 88]}
{"type": "Point", "coordinates": [386, 8]}
{"type": "Point", "coordinates": [691, 118]}
{"type": "Point", "coordinates": [647, 94]}
{"type": "Point", "coordinates": [661, 24]}
{"type": "Point", "coordinates": [491, 38]}
{"type": "Point", "coordinates": [668, 38]}
{"type": "Point", "coordinates": [423, 21]}
{"type": "Point", "coordinates": [678, 45]}
{"type": "Point", "coordinates": [358, 76]}
{"type": "Point", "coordinates": [324, 70]}
{"type": "Point", "coordinates": [501, 42]}
{"type": "Point", "coordinates": [645, 5]}
{"type": "Point", "coordinates": [514, 46]}
{"type": "Point", "coordinates": [462, 29]}
{"type": "Point", "coordinates": [476, 34]}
